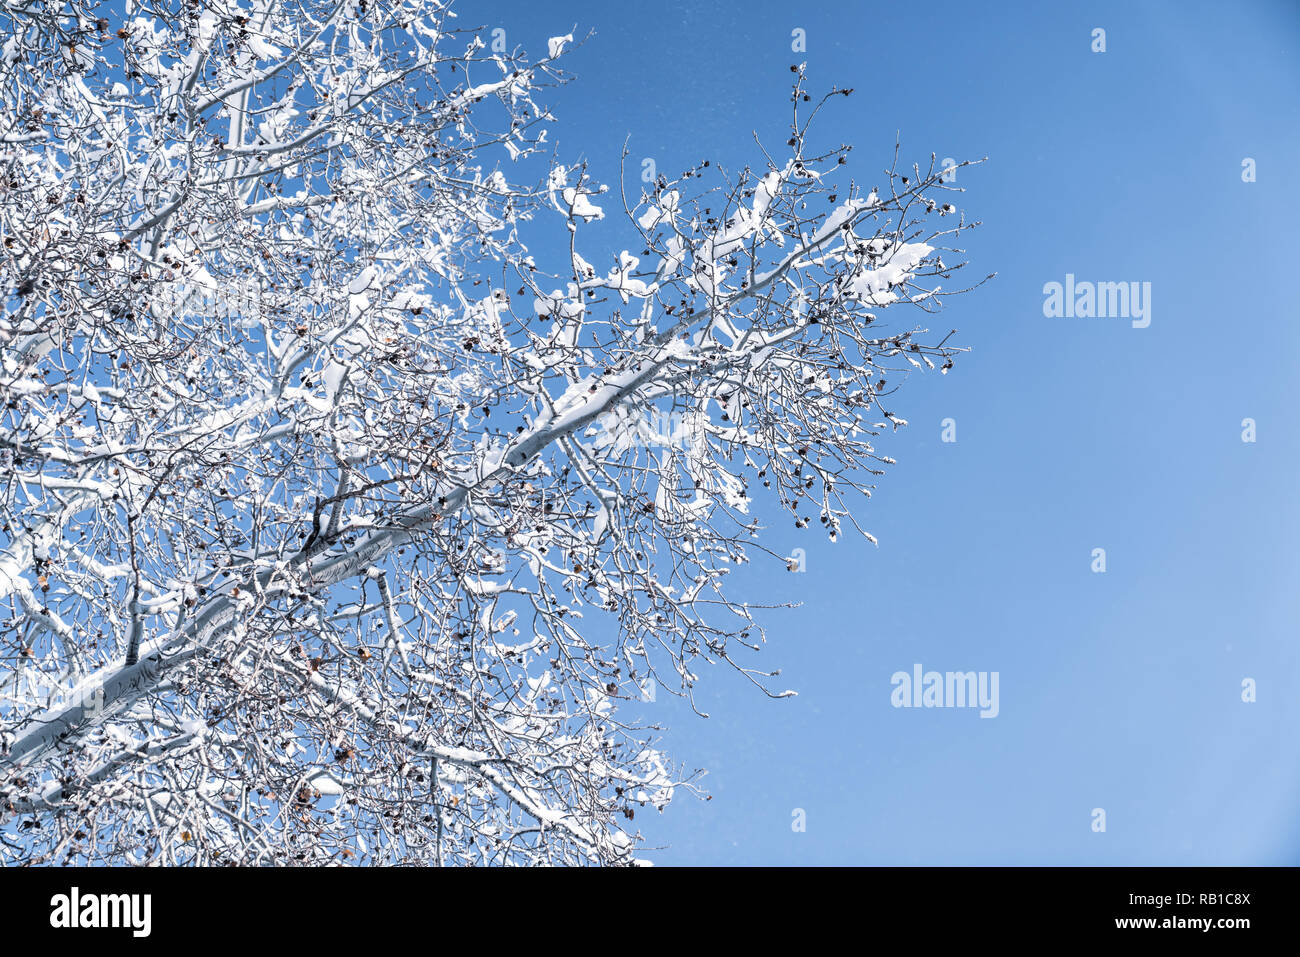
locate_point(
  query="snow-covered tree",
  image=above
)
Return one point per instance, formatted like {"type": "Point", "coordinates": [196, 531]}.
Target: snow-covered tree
{"type": "Point", "coordinates": [336, 525]}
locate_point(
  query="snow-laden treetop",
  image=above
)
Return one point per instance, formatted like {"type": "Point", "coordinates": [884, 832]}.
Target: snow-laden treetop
{"type": "Point", "coordinates": [338, 525]}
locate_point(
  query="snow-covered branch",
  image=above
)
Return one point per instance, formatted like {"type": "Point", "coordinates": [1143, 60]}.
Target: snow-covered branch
{"type": "Point", "coordinates": [340, 523]}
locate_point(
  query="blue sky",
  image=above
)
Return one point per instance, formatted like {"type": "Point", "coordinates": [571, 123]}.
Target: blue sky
{"type": "Point", "coordinates": [1120, 690]}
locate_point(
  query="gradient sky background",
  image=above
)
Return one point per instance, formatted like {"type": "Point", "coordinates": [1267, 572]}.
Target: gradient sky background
{"type": "Point", "coordinates": [1119, 690]}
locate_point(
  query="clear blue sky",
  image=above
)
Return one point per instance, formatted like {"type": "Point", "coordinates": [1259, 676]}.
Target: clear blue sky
{"type": "Point", "coordinates": [1119, 690]}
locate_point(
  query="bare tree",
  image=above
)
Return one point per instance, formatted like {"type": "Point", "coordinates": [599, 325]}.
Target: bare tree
{"type": "Point", "coordinates": [333, 528]}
